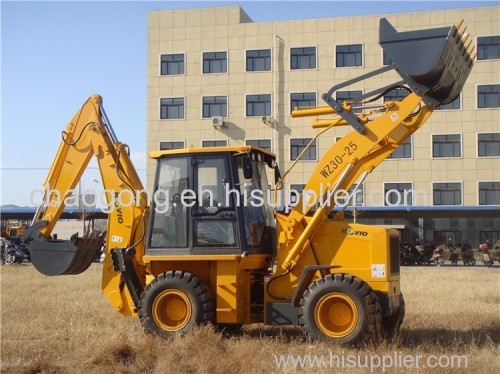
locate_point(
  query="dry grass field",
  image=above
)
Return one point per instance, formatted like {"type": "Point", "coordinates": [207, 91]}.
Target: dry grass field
{"type": "Point", "coordinates": [64, 325]}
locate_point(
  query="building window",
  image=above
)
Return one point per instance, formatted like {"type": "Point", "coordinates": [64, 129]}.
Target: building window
{"type": "Point", "coordinates": [342, 96]}
{"type": "Point", "coordinates": [396, 94]}
{"type": "Point", "coordinates": [488, 47]}
{"type": "Point", "coordinates": [302, 100]}
{"type": "Point", "coordinates": [214, 62]}
{"type": "Point", "coordinates": [164, 146]}
{"type": "Point", "coordinates": [214, 106]}
{"type": "Point", "coordinates": [455, 104]}
{"type": "Point", "coordinates": [489, 193]}
{"type": "Point", "coordinates": [172, 64]}
{"type": "Point", "coordinates": [172, 108]}
{"type": "Point", "coordinates": [403, 151]}
{"type": "Point", "coordinates": [357, 192]}
{"type": "Point", "coordinates": [491, 236]}
{"type": "Point", "coordinates": [214, 143]}
{"type": "Point", "coordinates": [488, 144]}
{"type": "Point", "coordinates": [396, 194]}
{"type": "Point", "coordinates": [385, 59]}
{"type": "Point", "coordinates": [303, 58]}
{"type": "Point", "coordinates": [353, 197]}
{"type": "Point", "coordinates": [262, 143]}
{"type": "Point", "coordinates": [446, 146]}
{"type": "Point", "coordinates": [258, 105]}
{"type": "Point", "coordinates": [447, 193]}
{"type": "Point", "coordinates": [447, 237]}
{"type": "Point", "coordinates": [296, 192]}
{"type": "Point", "coordinates": [259, 60]}
{"type": "Point", "coordinates": [488, 96]}
{"type": "Point", "coordinates": [298, 145]}
{"type": "Point", "coordinates": [349, 55]}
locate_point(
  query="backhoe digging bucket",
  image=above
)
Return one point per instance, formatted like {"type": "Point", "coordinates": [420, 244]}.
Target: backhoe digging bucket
{"type": "Point", "coordinates": [61, 257]}
{"type": "Point", "coordinates": [435, 63]}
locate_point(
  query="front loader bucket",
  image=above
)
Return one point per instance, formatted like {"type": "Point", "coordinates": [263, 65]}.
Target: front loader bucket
{"type": "Point", "coordinates": [63, 257]}
{"type": "Point", "coordinates": [435, 63]}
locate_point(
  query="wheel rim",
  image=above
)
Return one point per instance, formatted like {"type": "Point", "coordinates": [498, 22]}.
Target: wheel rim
{"type": "Point", "coordinates": [336, 315]}
{"type": "Point", "coordinates": [171, 310]}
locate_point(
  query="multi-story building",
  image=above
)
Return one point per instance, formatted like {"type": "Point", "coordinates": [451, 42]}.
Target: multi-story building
{"type": "Point", "coordinates": [213, 66]}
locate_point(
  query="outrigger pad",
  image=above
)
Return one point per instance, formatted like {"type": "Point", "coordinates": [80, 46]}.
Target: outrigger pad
{"type": "Point", "coordinates": [433, 62]}
{"type": "Point", "coordinates": [64, 257]}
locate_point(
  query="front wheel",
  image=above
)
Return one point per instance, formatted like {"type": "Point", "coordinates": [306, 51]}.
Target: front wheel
{"type": "Point", "coordinates": [10, 259]}
{"type": "Point", "coordinates": [341, 308]}
{"type": "Point", "coordinates": [174, 302]}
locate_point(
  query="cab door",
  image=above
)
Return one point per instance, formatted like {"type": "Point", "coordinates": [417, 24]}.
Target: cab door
{"type": "Point", "coordinates": [214, 222]}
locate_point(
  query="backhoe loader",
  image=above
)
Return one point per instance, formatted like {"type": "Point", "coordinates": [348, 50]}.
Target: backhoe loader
{"type": "Point", "coordinates": [208, 247]}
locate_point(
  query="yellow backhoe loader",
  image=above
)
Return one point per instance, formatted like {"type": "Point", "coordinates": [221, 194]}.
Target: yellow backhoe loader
{"type": "Point", "coordinates": [208, 247]}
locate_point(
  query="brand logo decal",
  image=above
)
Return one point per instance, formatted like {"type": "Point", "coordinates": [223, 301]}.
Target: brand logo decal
{"type": "Point", "coordinates": [351, 232]}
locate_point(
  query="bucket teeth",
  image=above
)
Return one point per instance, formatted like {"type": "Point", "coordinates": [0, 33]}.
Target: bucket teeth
{"type": "Point", "coordinates": [435, 62]}
{"type": "Point", "coordinates": [461, 31]}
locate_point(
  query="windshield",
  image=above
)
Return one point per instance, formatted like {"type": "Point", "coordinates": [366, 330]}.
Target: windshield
{"type": "Point", "coordinates": [169, 223]}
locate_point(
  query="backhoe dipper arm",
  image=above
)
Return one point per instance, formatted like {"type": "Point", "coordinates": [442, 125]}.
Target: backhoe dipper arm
{"type": "Point", "coordinates": [89, 133]}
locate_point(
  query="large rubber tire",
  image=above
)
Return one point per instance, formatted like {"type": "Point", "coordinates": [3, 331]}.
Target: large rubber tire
{"type": "Point", "coordinates": [174, 302]}
{"type": "Point", "coordinates": [342, 309]}
{"type": "Point", "coordinates": [392, 324]}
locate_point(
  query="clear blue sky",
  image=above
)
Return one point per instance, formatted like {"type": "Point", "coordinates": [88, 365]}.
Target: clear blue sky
{"type": "Point", "coordinates": [55, 54]}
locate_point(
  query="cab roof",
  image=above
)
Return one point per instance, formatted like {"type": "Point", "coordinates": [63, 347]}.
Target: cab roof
{"type": "Point", "coordinates": [208, 150]}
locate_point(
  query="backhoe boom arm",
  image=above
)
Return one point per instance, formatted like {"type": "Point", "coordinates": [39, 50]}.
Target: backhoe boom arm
{"type": "Point", "coordinates": [88, 134]}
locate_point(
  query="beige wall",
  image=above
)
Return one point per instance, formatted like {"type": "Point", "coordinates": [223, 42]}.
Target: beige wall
{"type": "Point", "coordinates": [230, 29]}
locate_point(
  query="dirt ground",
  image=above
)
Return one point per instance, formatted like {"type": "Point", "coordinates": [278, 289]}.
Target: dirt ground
{"type": "Point", "coordinates": [65, 325]}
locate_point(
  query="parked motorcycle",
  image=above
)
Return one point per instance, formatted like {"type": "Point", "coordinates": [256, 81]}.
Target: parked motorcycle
{"type": "Point", "coordinates": [428, 252]}
{"type": "Point", "coordinates": [454, 256]}
{"type": "Point", "coordinates": [485, 254]}
{"type": "Point", "coordinates": [409, 255]}
{"type": "Point", "coordinates": [438, 256]}
{"type": "Point", "coordinates": [468, 254]}
{"type": "Point", "coordinates": [468, 257]}
{"type": "Point", "coordinates": [16, 253]}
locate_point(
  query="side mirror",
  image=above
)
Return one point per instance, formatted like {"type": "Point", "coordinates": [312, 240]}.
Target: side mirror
{"type": "Point", "coordinates": [247, 167]}
{"type": "Point", "coordinates": [277, 178]}
{"type": "Point", "coordinates": [277, 174]}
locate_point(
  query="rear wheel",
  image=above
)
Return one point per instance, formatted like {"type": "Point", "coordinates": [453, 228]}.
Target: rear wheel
{"type": "Point", "coordinates": [341, 308]}
{"type": "Point", "coordinates": [174, 302]}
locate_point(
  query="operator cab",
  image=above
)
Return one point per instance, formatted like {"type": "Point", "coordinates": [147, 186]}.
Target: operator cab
{"type": "Point", "coordinates": [212, 201]}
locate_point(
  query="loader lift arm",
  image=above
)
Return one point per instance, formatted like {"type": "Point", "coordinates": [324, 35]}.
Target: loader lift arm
{"type": "Point", "coordinates": [435, 79]}
{"type": "Point", "coordinates": [89, 133]}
